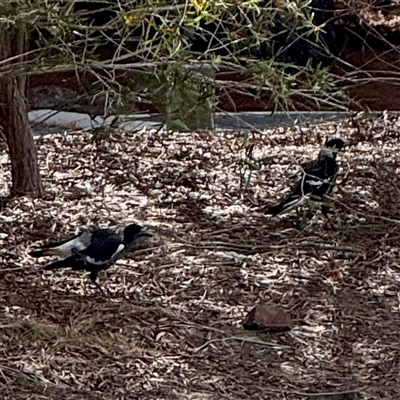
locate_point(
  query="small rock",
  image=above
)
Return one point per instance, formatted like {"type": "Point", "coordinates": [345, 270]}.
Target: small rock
{"type": "Point", "coordinates": [269, 318]}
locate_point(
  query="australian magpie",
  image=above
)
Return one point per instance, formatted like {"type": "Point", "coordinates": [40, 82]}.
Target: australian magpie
{"type": "Point", "coordinates": [317, 179]}
{"type": "Point", "coordinates": [91, 251]}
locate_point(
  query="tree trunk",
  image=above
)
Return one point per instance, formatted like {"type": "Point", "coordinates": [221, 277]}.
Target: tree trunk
{"type": "Point", "coordinates": [14, 121]}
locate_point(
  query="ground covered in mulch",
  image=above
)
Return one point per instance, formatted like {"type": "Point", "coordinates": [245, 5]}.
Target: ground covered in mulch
{"type": "Point", "coordinates": [171, 324]}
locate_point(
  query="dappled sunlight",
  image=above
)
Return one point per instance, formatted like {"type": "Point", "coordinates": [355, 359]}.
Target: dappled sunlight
{"type": "Point", "coordinates": [170, 326]}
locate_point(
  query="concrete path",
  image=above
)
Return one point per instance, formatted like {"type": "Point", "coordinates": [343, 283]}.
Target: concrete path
{"type": "Point", "coordinates": [50, 121]}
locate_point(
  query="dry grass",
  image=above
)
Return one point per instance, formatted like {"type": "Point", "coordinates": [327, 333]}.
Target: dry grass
{"type": "Point", "coordinates": [170, 327]}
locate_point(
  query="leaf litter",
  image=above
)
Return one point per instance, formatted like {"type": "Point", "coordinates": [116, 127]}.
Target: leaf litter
{"type": "Point", "coordinates": [170, 326]}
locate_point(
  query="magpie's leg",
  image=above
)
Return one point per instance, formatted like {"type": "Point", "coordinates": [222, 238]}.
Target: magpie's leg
{"type": "Point", "coordinates": [93, 276]}
{"type": "Point", "coordinates": [305, 217]}
{"type": "Point", "coordinates": [302, 224]}
{"type": "Point", "coordinates": [325, 212]}
{"type": "Point", "coordinates": [300, 217]}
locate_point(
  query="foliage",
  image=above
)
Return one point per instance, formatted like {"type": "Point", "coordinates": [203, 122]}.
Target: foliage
{"type": "Point", "coordinates": [274, 48]}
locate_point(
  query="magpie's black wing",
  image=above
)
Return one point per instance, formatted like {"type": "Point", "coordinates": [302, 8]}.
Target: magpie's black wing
{"type": "Point", "coordinates": [74, 262]}
{"type": "Point", "coordinates": [322, 179]}
{"type": "Point", "coordinates": [105, 248]}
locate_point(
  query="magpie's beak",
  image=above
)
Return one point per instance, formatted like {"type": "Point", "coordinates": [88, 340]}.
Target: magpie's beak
{"type": "Point", "coordinates": [143, 233]}
{"type": "Point", "coordinates": [338, 150]}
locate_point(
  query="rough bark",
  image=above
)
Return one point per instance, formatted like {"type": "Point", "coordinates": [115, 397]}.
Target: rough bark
{"type": "Point", "coordinates": [14, 121]}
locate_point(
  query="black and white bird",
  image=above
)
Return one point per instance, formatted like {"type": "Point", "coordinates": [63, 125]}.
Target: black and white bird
{"type": "Point", "coordinates": [93, 251]}
{"type": "Point", "coordinates": [317, 180]}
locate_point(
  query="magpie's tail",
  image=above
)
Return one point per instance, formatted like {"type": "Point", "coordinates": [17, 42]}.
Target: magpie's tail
{"type": "Point", "coordinates": [146, 234]}
{"type": "Point", "coordinates": [70, 262]}
{"type": "Point", "coordinates": [286, 205]}
{"type": "Point", "coordinates": [275, 210]}
{"type": "Point", "coordinates": [38, 253]}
